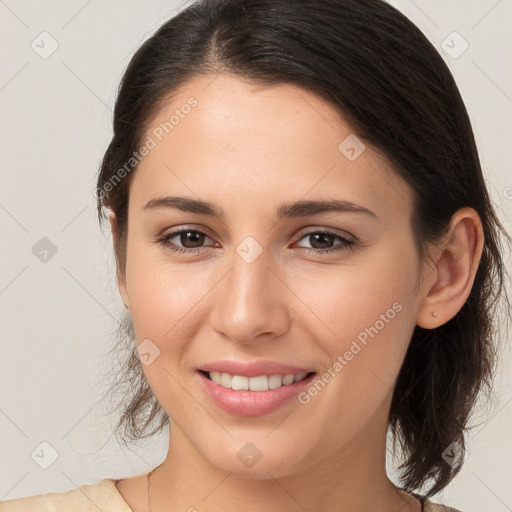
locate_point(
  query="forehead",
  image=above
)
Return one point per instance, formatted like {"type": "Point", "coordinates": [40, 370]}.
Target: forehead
{"type": "Point", "coordinates": [220, 136]}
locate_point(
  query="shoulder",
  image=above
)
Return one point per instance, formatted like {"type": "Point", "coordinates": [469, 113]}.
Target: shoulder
{"type": "Point", "coordinates": [430, 506]}
{"type": "Point", "coordinates": [100, 496]}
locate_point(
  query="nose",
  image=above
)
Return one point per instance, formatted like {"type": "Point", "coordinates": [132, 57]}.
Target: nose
{"type": "Point", "coordinates": [251, 303]}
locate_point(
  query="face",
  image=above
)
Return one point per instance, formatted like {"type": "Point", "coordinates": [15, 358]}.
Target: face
{"type": "Point", "coordinates": [326, 292]}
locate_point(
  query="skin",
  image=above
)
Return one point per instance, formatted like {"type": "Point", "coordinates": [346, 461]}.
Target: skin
{"type": "Point", "coordinates": [248, 149]}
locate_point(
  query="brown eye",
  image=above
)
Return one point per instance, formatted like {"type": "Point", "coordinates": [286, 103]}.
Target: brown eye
{"type": "Point", "coordinates": [190, 240]}
{"type": "Point", "coordinates": [194, 238]}
{"type": "Point", "coordinates": [321, 242]}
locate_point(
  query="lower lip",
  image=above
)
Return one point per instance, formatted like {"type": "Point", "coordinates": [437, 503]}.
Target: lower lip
{"type": "Point", "coordinates": [252, 403]}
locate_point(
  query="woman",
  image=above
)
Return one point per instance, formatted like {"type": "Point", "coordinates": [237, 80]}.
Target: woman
{"type": "Point", "coordinates": [308, 253]}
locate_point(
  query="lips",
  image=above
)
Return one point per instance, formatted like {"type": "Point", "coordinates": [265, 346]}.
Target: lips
{"type": "Point", "coordinates": [242, 402]}
{"type": "Point", "coordinates": [252, 388]}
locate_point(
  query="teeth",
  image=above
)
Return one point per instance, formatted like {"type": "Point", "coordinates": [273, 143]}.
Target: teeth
{"type": "Point", "coordinates": [275, 381]}
{"type": "Point", "coordinates": [300, 376]}
{"type": "Point", "coordinates": [260, 383]}
{"type": "Point", "coordinates": [239, 382]}
{"type": "Point", "coordinates": [225, 380]}
{"type": "Point", "coordinates": [257, 383]}
{"type": "Point", "coordinates": [288, 379]}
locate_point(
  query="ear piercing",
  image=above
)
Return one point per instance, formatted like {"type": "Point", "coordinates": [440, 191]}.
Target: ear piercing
{"type": "Point", "coordinates": [434, 313]}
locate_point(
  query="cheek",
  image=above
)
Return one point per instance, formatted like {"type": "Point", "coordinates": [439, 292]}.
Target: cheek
{"type": "Point", "coordinates": [372, 328]}
{"type": "Point", "coordinates": [350, 298]}
{"type": "Point", "coordinates": [162, 296]}
{"type": "Point", "coordinates": [165, 303]}
{"type": "Point", "coordinates": [367, 318]}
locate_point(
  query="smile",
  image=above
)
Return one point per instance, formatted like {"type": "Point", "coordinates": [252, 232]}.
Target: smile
{"type": "Point", "coordinates": [242, 395]}
{"type": "Point", "coordinates": [259, 383]}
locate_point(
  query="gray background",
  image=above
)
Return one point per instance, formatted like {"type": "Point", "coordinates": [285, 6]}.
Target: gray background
{"type": "Point", "coordinates": [57, 317]}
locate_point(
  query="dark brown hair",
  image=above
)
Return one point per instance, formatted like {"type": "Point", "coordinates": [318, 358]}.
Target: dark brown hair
{"type": "Point", "coordinates": [393, 88]}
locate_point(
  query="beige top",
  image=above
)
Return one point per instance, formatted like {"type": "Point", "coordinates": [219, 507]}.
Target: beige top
{"type": "Point", "coordinates": [104, 496]}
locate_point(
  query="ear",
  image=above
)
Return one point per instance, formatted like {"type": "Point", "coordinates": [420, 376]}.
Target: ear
{"type": "Point", "coordinates": [451, 280]}
{"type": "Point", "coordinates": [121, 281]}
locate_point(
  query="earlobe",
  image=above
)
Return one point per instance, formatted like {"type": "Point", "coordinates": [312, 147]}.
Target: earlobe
{"type": "Point", "coordinates": [113, 226]}
{"type": "Point", "coordinates": [121, 283]}
{"type": "Point", "coordinates": [454, 271]}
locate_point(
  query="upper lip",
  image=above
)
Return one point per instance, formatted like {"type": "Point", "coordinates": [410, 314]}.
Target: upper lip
{"type": "Point", "coordinates": [253, 368]}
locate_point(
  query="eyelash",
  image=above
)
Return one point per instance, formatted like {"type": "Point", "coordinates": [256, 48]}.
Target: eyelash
{"type": "Point", "coordinates": [346, 243]}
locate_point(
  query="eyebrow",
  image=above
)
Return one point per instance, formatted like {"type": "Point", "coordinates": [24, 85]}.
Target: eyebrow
{"type": "Point", "coordinates": [286, 210]}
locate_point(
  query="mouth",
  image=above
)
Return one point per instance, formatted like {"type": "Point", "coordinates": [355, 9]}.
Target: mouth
{"type": "Point", "coordinates": [241, 395]}
{"type": "Point", "coordinates": [258, 383]}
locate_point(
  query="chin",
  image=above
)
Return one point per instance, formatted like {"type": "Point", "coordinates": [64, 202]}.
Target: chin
{"type": "Point", "coordinates": [251, 462]}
